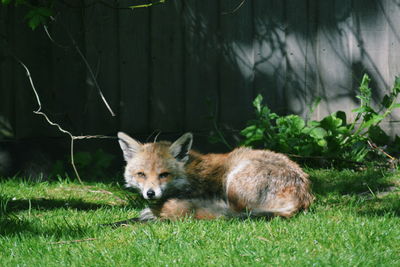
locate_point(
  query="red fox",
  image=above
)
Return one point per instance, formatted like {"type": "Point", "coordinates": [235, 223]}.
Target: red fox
{"type": "Point", "coordinates": [180, 182]}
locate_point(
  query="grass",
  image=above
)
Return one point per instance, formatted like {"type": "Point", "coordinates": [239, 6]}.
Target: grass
{"type": "Point", "coordinates": [354, 222]}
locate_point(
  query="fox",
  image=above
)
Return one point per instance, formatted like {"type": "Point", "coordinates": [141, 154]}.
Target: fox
{"type": "Point", "coordinates": [179, 182]}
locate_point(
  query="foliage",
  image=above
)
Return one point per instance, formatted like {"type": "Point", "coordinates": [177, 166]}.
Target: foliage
{"type": "Point", "coordinates": [89, 165]}
{"type": "Point", "coordinates": [333, 137]}
{"type": "Point", "coordinates": [39, 12]}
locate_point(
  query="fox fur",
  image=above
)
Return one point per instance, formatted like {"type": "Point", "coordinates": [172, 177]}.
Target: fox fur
{"type": "Point", "coordinates": [180, 182]}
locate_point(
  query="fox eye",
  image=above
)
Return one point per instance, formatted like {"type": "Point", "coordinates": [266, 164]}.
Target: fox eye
{"type": "Point", "coordinates": [164, 175]}
{"type": "Point", "coordinates": [141, 174]}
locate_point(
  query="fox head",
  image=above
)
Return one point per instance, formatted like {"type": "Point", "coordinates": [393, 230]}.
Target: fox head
{"type": "Point", "coordinates": [152, 167]}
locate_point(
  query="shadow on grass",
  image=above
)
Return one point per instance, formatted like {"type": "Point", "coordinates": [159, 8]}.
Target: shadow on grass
{"type": "Point", "coordinates": [349, 182]}
{"type": "Point", "coordinates": [50, 204]}
{"type": "Point", "coordinates": [14, 226]}
{"type": "Point", "coordinates": [381, 207]}
{"type": "Point", "coordinates": [375, 193]}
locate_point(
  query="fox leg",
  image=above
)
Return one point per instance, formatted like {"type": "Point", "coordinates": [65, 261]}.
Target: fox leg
{"type": "Point", "coordinates": [174, 209]}
{"type": "Point", "coordinates": [145, 216]}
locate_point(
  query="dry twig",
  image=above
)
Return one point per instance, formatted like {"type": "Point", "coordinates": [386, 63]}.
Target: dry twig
{"type": "Point", "coordinates": [39, 112]}
{"type": "Point", "coordinates": [235, 9]}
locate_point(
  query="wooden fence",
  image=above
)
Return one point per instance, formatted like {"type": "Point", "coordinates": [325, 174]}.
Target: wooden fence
{"type": "Point", "coordinates": [185, 64]}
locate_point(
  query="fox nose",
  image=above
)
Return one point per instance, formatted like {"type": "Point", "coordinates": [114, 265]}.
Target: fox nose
{"type": "Point", "coordinates": [151, 193]}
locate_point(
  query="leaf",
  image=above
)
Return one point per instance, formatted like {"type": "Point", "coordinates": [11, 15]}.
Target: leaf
{"type": "Point", "coordinates": [386, 101]}
{"type": "Point", "coordinates": [5, 2]}
{"type": "Point", "coordinates": [341, 115]}
{"type": "Point", "coordinates": [375, 118]}
{"type": "Point", "coordinates": [322, 143]}
{"type": "Point", "coordinates": [397, 105]}
{"type": "Point", "coordinates": [318, 133]}
{"type": "Point", "coordinates": [37, 16]}
{"type": "Point", "coordinates": [248, 131]}
{"type": "Point", "coordinates": [291, 124]}
{"type": "Point", "coordinates": [331, 122]}
{"type": "Point", "coordinates": [396, 87]}
{"type": "Point", "coordinates": [257, 102]}
{"type": "Point", "coordinates": [314, 123]}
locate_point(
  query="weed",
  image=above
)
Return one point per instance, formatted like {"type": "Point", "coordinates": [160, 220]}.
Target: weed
{"type": "Point", "coordinates": [333, 137]}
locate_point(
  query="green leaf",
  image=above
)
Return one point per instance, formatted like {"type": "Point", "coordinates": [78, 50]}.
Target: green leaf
{"type": "Point", "coordinates": [257, 102]}
{"type": "Point", "coordinates": [331, 122]}
{"type": "Point", "coordinates": [5, 2]}
{"type": "Point", "coordinates": [386, 101]}
{"type": "Point", "coordinates": [322, 143]}
{"type": "Point", "coordinates": [375, 118]}
{"type": "Point", "coordinates": [341, 115]}
{"type": "Point", "coordinates": [318, 133]}
{"type": "Point", "coordinates": [38, 16]}
{"type": "Point", "coordinates": [248, 131]}
{"type": "Point", "coordinates": [396, 87]}
{"type": "Point", "coordinates": [397, 105]}
{"type": "Point", "coordinates": [314, 123]}
{"type": "Point", "coordinates": [290, 123]}
{"type": "Point", "coordinates": [343, 130]}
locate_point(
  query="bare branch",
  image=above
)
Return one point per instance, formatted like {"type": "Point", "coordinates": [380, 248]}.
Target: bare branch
{"type": "Point", "coordinates": [94, 79]}
{"type": "Point", "coordinates": [235, 9]}
{"type": "Point", "coordinates": [39, 112]}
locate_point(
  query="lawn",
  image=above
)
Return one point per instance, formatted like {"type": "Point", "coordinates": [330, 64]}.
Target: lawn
{"type": "Point", "coordinates": [355, 221]}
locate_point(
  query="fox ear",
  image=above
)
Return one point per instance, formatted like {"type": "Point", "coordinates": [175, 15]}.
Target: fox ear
{"type": "Point", "coordinates": [128, 145]}
{"type": "Point", "coordinates": [180, 148]}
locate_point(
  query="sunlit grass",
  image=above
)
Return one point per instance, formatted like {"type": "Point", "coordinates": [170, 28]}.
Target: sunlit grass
{"type": "Point", "coordinates": [354, 222]}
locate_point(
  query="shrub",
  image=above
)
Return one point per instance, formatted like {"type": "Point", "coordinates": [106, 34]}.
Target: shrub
{"type": "Point", "coordinates": [334, 137]}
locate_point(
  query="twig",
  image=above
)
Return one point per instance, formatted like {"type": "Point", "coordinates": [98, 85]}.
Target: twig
{"type": "Point", "coordinates": [373, 146]}
{"type": "Point", "coordinates": [39, 112]}
{"type": "Point", "coordinates": [235, 9]}
{"type": "Point", "coordinates": [147, 5]}
{"type": "Point", "coordinates": [48, 35]}
{"type": "Point", "coordinates": [72, 241]}
{"type": "Point", "coordinates": [86, 64]}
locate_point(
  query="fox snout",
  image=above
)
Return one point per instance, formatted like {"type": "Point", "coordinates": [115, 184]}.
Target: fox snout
{"type": "Point", "coordinates": [152, 193]}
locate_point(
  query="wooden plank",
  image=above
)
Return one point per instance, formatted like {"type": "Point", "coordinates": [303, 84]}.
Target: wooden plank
{"type": "Point", "coordinates": [334, 62]}
{"type": "Point", "coordinates": [270, 51]}
{"type": "Point", "coordinates": [372, 42]}
{"type": "Point", "coordinates": [7, 66]}
{"type": "Point", "coordinates": [134, 62]}
{"type": "Point", "coordinates": [300, 58]}
{"type": "Point", "coordinates": [390, 11]}
{"type": "Point", "coordinates": [102, 53]}
{"type": "Point", "coordinates": [69, 70]}
{"type": "Point", "coordinates": [167, 94]}
{"type": "Point", "coordinates": [237, 63]}
{"type": "Point", "coordinates": [201, 63]}
{"type": "Point", "coordinates": [34, 50]}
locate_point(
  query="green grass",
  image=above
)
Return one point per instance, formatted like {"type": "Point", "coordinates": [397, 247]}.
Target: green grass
{"type": "Point", "coordinates": [352, 223]}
